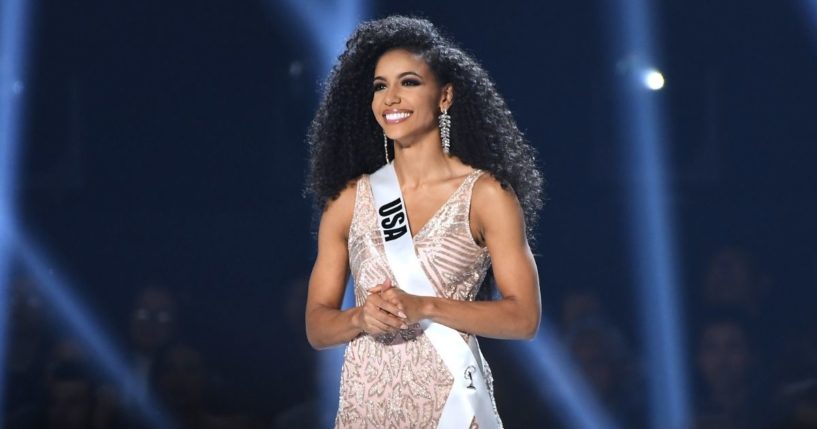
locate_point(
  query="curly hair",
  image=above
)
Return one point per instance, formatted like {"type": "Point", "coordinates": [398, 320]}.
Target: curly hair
{"type": "Point", "coordinates": [346, 141]}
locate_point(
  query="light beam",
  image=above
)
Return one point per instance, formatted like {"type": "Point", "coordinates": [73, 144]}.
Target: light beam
{"type": "Point", "coordinates": [13, 46]}
{"type": "Point", "coordinates": [557, 381]}
{"type": "Point", "coordinates": [653, 241]}
{"type": "Point", "coordinates": [55, 289]}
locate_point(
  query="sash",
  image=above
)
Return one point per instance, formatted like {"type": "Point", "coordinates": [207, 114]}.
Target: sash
{"type": "Point", "coordinates": [469, 395]}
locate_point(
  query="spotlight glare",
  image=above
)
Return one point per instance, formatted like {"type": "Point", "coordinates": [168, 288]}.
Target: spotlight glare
{"type": "Point", "coordinates": [654, 80]}
{"type": "Point", "coordinates": [14, 15]}
{"type": "Point", "coordinates": [560, 382]}
{"type": "Point", "coordinates": [652, 224]}
{"type": "Point", "coordinates": [328, 23]}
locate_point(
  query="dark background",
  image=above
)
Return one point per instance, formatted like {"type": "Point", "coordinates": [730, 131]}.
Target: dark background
{"type": "Point", "coordinates": [165, 144]}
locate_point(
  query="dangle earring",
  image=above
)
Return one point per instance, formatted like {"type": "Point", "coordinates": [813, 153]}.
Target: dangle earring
{"type": "Point", "coordinates": [445, 130]}
{"type": "Point", "coordinates": [386, 146]}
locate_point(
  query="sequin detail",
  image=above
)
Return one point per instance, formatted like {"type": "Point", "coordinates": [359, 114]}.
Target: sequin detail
{"type": "Point", "coordinates": [399, 380]}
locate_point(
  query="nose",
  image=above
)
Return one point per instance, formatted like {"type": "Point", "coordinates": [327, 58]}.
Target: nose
{"type": "Point", "coordinates": [391, 97]}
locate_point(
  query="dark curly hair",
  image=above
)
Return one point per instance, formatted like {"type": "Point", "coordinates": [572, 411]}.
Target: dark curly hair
{"type": "Point", "coordinates": [346, 141]}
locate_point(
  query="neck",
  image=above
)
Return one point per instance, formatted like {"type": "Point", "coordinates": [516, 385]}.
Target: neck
{"type": "Point", "coordinates": [421, 162]}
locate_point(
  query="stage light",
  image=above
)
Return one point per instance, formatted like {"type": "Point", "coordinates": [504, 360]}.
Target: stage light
{"type": "Point", "coordinates": [810, 16]}
{"type": "Point", "coordinates": [14, 16]}
{"type": "Point", "coordinates": [557, 381]}
{"type": "Point", "coordinates": [653, 79]}
{"type": "Point", "coordinates": [13, 49]}
{"type": "Point", "coordinates": [296, 68]}
{"type": "Point", "coordinates": [328, 25]}
{"type": "Point", "coordinates": [651, 224]}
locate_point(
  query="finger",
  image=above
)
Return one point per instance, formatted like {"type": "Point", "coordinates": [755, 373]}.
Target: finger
{"type": "Point", "coordinates": [385, 323]}
{"type": "Point", "coordinates": [375, 327]}
{"type": "Point", "coordinates": [376, 289]}
{"type": "Point", "coordinates": [391, 321]}
{"type": "Point", "coordinates": [393, 296]}
{"type": "Point", "coordinates": [387, 306]}
{"type": "Point", "coordinates": [387, 284]}
{"type": "Point", "coordinates": [391, 308]}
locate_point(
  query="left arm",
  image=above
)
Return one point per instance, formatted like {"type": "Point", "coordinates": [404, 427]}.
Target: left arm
{"type": "Point", "coordinates": [499, 221]}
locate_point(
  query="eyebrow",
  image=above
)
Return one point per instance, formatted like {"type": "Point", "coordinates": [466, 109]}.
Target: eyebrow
{"type": "Point", "coordinates": [400, 75]}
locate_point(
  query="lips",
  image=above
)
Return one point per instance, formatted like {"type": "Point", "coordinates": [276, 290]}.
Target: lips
{"type": "Point", "coordinates": [394, 116]}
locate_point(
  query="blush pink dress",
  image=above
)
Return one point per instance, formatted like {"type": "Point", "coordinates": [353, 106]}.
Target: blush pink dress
{"type": "Point", "coordinates": [399, 380]}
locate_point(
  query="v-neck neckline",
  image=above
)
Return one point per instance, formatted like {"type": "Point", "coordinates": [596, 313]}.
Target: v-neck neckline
{"type": "Point", "coordinates": [440, 209]}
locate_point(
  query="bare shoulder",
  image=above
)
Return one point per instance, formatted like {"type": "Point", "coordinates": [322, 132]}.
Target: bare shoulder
{"type": "Point", "coordinates": [489, 193]}
{"type": "Point", "coordinates": [337, 213]}
{"type": "Point", "coordinates": [495, 210]}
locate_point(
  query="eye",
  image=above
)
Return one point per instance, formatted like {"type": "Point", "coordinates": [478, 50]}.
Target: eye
{"type": "Point", "coordinates": [411, 82]}
{"type": "Point", "coordinates": [378, 86]}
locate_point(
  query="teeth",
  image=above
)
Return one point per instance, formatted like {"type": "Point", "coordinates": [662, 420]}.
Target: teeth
{"type": "Point", "coordinates": [397, 116]}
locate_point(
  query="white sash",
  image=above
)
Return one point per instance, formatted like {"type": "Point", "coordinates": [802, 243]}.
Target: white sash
{"type": "Point", "coordinates": [469, 396]}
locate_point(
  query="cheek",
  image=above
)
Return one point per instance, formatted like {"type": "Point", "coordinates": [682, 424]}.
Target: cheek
{"type": "Point", "coordinates": [424, 111]}
{"type": "Point", "coordinates": [433, 109]}
{"type": "Point", "coordinates": [377, 117]}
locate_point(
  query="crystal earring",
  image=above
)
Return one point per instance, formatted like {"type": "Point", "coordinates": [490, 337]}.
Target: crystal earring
{"type": "Point", "coordinates": [386, 146]}
{"type": "Point", "coordinates": [445, 130]}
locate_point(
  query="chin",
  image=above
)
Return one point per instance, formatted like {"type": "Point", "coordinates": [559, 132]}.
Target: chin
{"type": "Point", "coordinates": [404, 141]}
{"type": "Point", "coordinates": [403, 136]}
{"type": "Point", "coordinates": [397, 136]}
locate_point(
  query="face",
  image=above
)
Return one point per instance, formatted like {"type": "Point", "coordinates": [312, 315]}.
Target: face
{"type": "Point", "coordinates": [407, 98]}
{"type": "Point", "coordinates": [723, 356]}
{"type": "Point", "coordinates": [153, 319]}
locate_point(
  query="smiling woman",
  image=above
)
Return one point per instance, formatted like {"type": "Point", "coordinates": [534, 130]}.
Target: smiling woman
{"type": "Point", "coordinates": [403, 81]}
{"type": "Point", "coordinates": [458, 194]}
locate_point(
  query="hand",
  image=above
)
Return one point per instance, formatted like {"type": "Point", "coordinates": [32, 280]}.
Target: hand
{"type": "Point", "coordinates": [378, 315]}
{"type": "Point", "coordinates": [411, 306]}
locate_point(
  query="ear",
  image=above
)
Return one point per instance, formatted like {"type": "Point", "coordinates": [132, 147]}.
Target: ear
{"type": "Point", "coordinates": [447, 96]}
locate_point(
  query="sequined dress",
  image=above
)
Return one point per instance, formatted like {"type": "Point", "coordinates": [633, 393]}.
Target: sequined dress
{"type": "Point", "coordinates": [399, 380]}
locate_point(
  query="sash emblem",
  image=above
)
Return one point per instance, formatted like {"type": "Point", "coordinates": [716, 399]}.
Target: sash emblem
{"type": "Point", "coordinates": [469, 375]}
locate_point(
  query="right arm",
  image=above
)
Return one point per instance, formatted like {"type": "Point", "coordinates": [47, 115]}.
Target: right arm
{"type": "Point", "coordinates": [326, 324]}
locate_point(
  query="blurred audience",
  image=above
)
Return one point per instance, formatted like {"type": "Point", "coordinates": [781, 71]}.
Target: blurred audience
{"type": "Point", "coordinates": [153, 321]}
{"type": "Point", "coordinates": [753, 354]}
{"type": "Point", "coordinates": [732, 391]}
{"type": "Point", "coordinates": [69, 401]}
{"type": "Point", "coordinates": [579, 305]}
{"type": "Point", "coordinates": [799, 406]}
{"type": "Point", "coordinates": [71, 397]}
{"type": "Point", "coordinates": [28, 344]}
{"type": "Point", "coordinates": [304, 412]}
{"type": "Point", "coordinates": [180, 380]}
{"type": "Point", "coordinates": [733, 280]}
{"type": "Point", "coordinates": [600, 351]}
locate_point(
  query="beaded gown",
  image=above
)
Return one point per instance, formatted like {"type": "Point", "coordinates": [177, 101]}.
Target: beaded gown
{"type": "Point", "coordinates": [399, 380]}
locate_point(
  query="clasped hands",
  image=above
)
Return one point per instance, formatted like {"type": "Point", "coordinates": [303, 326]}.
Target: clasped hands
{"type": "Point", "coordinates": [388, 308]}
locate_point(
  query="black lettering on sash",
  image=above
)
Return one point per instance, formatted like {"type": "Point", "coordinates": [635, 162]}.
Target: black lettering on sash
{"type": "Point", "coordinates": [394, 234]}
{"type": "Point", "coordinates": [391, 208]}
{"type": "Point", "coordinates": [389, 223]}
{"type": "Point", "coordinates": [393, 220]}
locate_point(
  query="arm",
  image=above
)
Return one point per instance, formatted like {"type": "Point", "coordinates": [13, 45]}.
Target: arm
{"type": "Point", "coordinates": [326, 324]}
{"type": "Point", "coordinates": [499, 222]}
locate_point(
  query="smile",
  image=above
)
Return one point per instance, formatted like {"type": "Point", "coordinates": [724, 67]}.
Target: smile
{"type": "Point", "coordinates": [395, 117]}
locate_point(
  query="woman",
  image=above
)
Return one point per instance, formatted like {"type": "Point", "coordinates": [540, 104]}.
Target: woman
{"type": "Point", "coordinates": [465, 178]}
